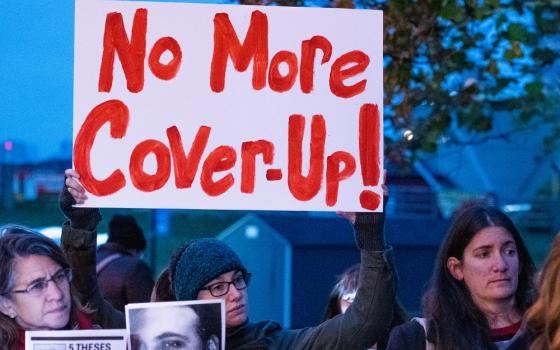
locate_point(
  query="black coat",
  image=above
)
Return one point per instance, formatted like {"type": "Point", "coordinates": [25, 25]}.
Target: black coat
{"type": "Point", "coordinates": [364, 323]}
{"type": "Point", "coordinates": [125, 280]}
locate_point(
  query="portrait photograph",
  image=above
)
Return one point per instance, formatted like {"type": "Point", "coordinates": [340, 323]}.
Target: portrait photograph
{"type": "Point", "coordinates": [184, 325]}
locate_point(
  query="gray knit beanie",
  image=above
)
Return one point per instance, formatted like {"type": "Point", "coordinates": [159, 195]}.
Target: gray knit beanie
{"type": "Point", "coordinates": [201, 261]}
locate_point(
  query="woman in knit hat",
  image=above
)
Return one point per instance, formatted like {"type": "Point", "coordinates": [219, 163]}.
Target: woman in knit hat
{"type": "Point", "coordinates": [209, 269]}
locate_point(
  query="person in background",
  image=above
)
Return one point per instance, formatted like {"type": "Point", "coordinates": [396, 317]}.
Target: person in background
{"type": "Point", "coordinates": [480, 289]}
{"type": "Point", "coordinates": [543, 318]}
{"type": "Point", "coordinates": [343, 294]}
{"type": "Point", "coordinates": [122, 274]}
{"type": "Point", "coordinates": [35, 291]}
{"type": "Point", "coordinates": [208, 269]}
{"type": "Point", "coordinates": [162, 288]}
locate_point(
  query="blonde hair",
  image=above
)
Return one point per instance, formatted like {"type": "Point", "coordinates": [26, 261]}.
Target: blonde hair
{"type": "Point", "coordinates": [543, 317]}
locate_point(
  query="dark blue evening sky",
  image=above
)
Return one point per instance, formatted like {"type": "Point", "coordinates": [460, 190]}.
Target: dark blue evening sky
{"type": "Point", "coordinates": [36, 76]}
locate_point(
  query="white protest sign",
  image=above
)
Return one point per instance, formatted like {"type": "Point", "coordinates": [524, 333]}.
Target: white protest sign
{"type": "Point", "coordinates": [228, 107]}
{"type": "Point", "coordinates": [197, 324]}
{"type": "Point", "coordinates": [93, 339]}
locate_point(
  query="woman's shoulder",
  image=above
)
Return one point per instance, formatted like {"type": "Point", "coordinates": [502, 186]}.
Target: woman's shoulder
{"type": "Point", "coordinates": [521, 341]}
{"type": "Point", "coordinates": [409, 335]}
{"type": "Point", "coordinates": [412, 327]}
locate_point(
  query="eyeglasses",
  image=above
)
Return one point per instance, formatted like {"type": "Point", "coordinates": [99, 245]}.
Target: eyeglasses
{"type": "Point", "coordinates": [38, 287]}
{"type": "Point", "coordinates": [222, 288]}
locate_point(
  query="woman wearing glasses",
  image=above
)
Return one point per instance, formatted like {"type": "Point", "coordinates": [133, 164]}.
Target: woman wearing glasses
{"type": "Point", "coordinates": [209, 269]}
{"type": "Point", "coordinates": [35, 289]}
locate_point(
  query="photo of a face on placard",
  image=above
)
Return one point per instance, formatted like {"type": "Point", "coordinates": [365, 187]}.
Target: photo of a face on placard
{"type": "Point", "coordinates": [184, 325]}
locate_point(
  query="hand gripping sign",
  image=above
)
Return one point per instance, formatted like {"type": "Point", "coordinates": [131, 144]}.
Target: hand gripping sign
{"type": "Point", "coordinates": [228, 107]}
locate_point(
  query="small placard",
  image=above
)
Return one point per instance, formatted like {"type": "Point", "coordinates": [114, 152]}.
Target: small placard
{"type": "Point", "coordinates": [93, 339]}
{"type": "Point", "coordinates": [199, 324]}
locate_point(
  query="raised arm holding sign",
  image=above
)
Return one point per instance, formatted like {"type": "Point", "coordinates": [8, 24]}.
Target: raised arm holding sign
{"type": "Point", "coordinates": [235, 107]}
{"type": "Point", "coordinates": [207, 269]}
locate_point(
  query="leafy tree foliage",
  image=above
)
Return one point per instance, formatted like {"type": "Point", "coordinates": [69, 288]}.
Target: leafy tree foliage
{"type": "Point", "coordinates": [452, 65]}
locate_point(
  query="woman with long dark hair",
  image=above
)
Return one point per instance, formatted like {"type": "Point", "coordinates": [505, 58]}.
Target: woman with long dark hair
{"type": "Point", "coordinates": [480, 289]}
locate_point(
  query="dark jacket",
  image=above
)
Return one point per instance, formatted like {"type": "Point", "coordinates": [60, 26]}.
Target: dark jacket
{"type": "Point", "coordinates": [80, 249]}
{"type": "Point", "coordinates": [411, 336]}
{"type": "Point", "coordinates": [126, 279]}
{"type": "Point", "coordinates": [364, 323]}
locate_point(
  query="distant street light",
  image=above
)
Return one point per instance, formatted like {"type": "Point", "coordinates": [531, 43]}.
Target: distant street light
{"type": "Point", "coordinates": [408, 135]}
{"type": "Point", "coordinates": [8, 146]}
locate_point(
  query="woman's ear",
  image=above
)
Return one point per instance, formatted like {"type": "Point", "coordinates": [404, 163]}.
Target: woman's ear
{"type": "Point", "coordinates": [6, 307]}
{"type": "Point", "coordinates": [455, 268]}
